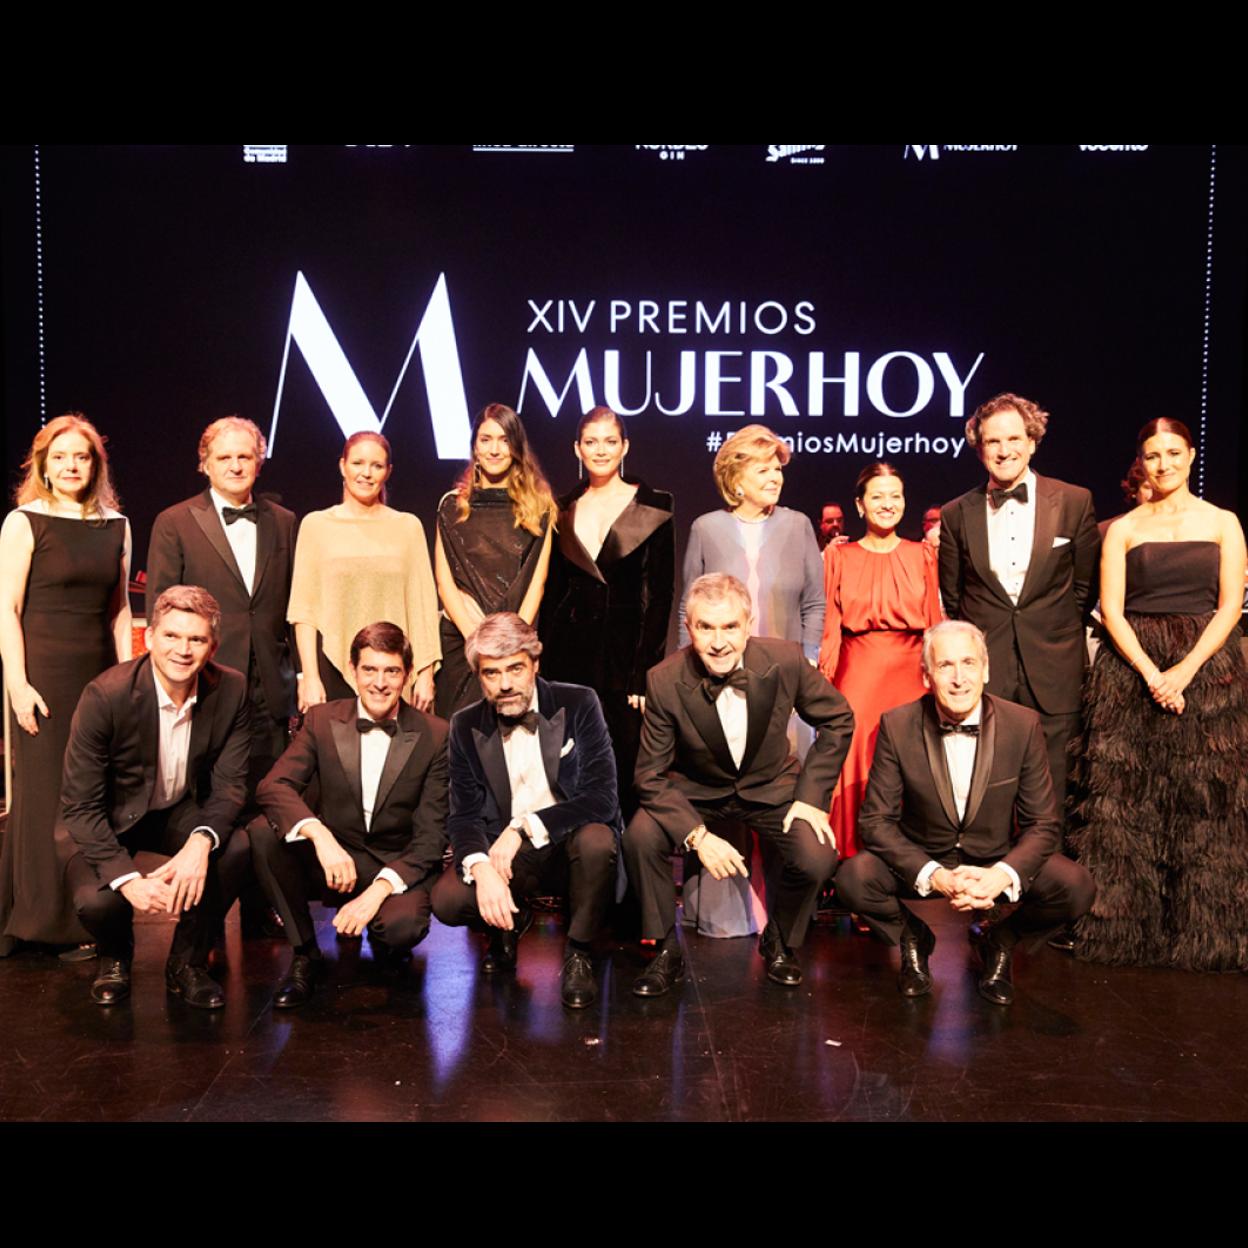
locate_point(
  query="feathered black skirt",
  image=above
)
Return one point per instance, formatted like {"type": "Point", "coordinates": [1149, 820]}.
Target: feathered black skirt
{"type": "Point", "coordinates": [1160, 807]}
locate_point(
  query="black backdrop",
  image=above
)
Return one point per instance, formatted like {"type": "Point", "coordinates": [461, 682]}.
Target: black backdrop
{"type": "Point", "coordinates": [1107, 285]}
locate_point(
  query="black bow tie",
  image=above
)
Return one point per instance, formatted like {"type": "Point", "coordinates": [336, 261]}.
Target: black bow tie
{"type": "Point", "coordinates": [713, 686]}
{"type": "Point", "coordinates": [248, 512]}
{"type": "Point", "coordinates": [508, 724]}
{"type": "Point", "coordinates": [388, 726]}
{"type": "Point", "coordinates": [971, 730]}
{"type": "Point", "coordinates": [998, 497]}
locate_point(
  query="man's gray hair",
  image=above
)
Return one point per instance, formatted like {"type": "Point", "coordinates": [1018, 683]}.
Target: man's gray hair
{"type": "Point", "coordinates": [499, 635]}
{"type": "Point", "coordinates": [715, 587]}
{"type": "Point", "coordinates": [945, 629]}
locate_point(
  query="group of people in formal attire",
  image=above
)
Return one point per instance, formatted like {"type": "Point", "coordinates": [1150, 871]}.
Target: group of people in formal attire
{"type": "Point", "coordinates": [905, 720]}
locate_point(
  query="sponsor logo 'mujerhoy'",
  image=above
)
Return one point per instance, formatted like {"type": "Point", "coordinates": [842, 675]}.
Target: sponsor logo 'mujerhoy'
{"type": "Point", "coordinates": [541, 149]}
{"type": "Point", "coordinates": [671, 151]}
{"type": "Point", "coordinates": [795, 153]}
{"type": "Point", "coordinates": [1113, 147]}
{"type": "Point", "coordinates": [933, 151]}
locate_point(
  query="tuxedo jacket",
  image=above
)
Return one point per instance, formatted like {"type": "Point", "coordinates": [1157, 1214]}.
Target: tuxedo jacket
{"type": "Point", "coordinates": [576, 751]}
{"type": "Point", "coordinates": [1057, 596]}
{"type": "Point", "coordinates": [318, 777]}
{"type": "Point", "coordinates": [684, 756]}
{"type": "Point", "coordinates": [189, 547]}
{"type": "Point", "coordinates": [909, 816]}
{"type": "Point", "coordinates": [114, 750]}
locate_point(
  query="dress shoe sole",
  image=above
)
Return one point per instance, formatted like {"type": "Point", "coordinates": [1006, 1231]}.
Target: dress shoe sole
{"type": "Point", "coordinates": [291, 1003]}
{"type": "Point", "coordinates": [580, 1003]}
{"type": "Point", "coordinates": [217, 1003]}
{"type": "Point", "coordinates": [913, 989]}
{"type": "Point", "coordinates": [115, 998]}
{"type": "Point", "coordinates": [642, 988]}
{"type": "Point", "coordinates": [784, 980]}
{"type": "Point", "coordinates": [989, 993]}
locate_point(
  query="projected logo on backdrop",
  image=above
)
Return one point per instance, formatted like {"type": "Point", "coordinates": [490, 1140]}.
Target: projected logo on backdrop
{"type": "Point", "coordinates": [744, 381]}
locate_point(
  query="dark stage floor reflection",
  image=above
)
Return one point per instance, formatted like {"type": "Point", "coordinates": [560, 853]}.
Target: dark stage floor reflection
{"type": "Point", "coordinates": [446, 1043]}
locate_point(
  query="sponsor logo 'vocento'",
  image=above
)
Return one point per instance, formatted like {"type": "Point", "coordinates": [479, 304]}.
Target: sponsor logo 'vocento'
{"type": "Point", "coordinates": [1113, 147]}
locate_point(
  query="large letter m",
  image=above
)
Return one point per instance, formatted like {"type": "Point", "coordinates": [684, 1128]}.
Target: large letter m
{"type": "Point", "coordinates": [351, 408]}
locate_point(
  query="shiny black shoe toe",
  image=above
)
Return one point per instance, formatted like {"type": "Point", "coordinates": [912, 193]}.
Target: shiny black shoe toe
{"type": "Point", "coordinates": [195, 986]}
{"type": "Point", "coordinates": [658, 978]}
{"type": "Point", "coordinates": [577, 988]}
{"type": "Point", "coordinates": [500, 954]}
{"type": "Point", "coordinates": [112, 982]}
{"type": "Point", "coordinates": [300, 982]}
{"type": "Point", "coordinates": [914, 979]}
{"type": "Point", "coordinates": [996, 982]}
{"type": "Point", "coordinates": [782, 964]}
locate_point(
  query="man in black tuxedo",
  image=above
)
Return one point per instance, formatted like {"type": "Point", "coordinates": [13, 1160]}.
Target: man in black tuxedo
{"type": "Point", "coordinates": [714, 746]}
{"type": "Point", "coordinates": [960, 804]}
{"type": "Point", "coordinates": [534, 805]}
{"type": "Point", "coordinates": [355, 814]}
{"type": "Point", "coordinates": [157, 760]}
{"type": "Point", "coordinates": [1018, 559]}
{"type": "Point", "coordinates": [241, 549]}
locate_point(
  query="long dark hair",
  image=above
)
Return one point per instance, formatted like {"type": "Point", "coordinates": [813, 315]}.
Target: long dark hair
{"type": "Point", "coordinates": [527, 488]}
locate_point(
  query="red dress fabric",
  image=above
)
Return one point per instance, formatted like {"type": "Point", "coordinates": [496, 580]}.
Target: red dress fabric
{"type": "Point", "coordinates": [878, 607]}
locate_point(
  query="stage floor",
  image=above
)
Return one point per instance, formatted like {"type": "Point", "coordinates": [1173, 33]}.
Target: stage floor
{"type": "Point", "coordinates": [1082, 1043]}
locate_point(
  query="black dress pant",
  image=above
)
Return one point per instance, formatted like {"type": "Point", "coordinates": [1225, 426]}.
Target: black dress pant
{"type": "Point", "coordinates": [793, 890]}
{"type": "Point", "coordinates": [109, 917]}
{"type": "Point", "coordinates": [1061, 893]}
{"type": "Point", "coordinates": [580, 867]}
{"type": "Point", "coordinates": [293, 877]}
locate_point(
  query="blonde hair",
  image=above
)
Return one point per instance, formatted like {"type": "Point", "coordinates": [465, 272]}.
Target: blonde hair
{"type": "Point", "coordinates": [752, 445]}
{"type": "Point", "coordinates": [99, 493]}
{"type": "Point", "coordinates": [527, 488]}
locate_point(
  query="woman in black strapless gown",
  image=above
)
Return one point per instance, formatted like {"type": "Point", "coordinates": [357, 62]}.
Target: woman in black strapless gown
{"type": "Point", "coordinates": [64, 618]}
{"type": "Point", "coordinates": [1160, 808]}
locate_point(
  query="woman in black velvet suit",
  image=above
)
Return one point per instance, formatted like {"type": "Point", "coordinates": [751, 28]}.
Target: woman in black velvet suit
{"type": "Point", "coordinates": [612, 580]}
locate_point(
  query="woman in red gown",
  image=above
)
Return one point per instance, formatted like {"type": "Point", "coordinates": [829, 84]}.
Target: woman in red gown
{"type": "Point", "coordinates": [882, 593]}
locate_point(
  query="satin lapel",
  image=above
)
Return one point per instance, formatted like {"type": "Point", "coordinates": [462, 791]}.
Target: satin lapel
{"type": "Point", "coordinates": [632, 527]}
{"type": "Point", "coordinates": [983, 760]}
{"type": "Point", "coordinates": [760, 698]}
{"type": "Point", "coordinates": [571, 549]}
{"type": "Point", "coordinates": [976, 514]}
{"type": "Point", "coordinates": [147, 716]}
{"type": "Point", "coordinates": [206, 517]}
{"type": "Point", "coordinates": [401, 747]}
{"type": "Point", "coordinates": [551, 735]}
{"type": "Point", "coordinates": [704, 718]}
{"type": "Point", "coordinates": [940, 768]}
{"type": "Point", "coordinates": [494, 764]}
{"type": "Point", "coordinates": [266, 544]}
{"type": "Point", "coordinates": [347, 743]}
{"type": "Point", "coordinates": [1042, 537]}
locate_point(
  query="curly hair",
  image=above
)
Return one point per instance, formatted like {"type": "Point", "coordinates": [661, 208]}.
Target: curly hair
{"type": "Point", "coordinates": [1035, 418]}
{"type": "Point", "coordinates": [231, 424]}
{"type": "Point", "coordinates": [755, 444]}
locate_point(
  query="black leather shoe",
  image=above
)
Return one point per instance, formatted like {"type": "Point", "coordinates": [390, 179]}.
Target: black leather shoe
{"type": "Point", "coordinates": [577, 988]}
{"type": "Point", "coordinates": [300, 982]}
{"type": "Point", "coordinates": [996, 983]}
{"type": "Point", "coordinates": [500, 954]}
{"type": "Point", "coordinates": [1063, 939]}
{"type": "Point", "coordinates": [664, 971]}
{"type": "Point", "coordinates": [914, 979]}
{"type": "Point", "coordinates": [782, 964]}
{"type": "Point", "coordinates": [195, 986]}
{"type": "Point", "coordinates": [112, 982]}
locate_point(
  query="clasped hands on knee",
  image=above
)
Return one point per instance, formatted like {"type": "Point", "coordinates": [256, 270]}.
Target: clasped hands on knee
{"type": "Point", "coordinates": [970, 888]}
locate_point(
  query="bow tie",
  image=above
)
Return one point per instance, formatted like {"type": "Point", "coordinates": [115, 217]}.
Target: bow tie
{"type": "Point", "coordinates": [713, 686]}
{"type": "Point", "coordinates": [971, 730]}
{"type": "Point", "coordinates": [247, 512]}
{"type": "Point", "coordinates": [388, 726]}
{"type": "Point", "coordinates": [508, 724]}
{"type": "Point", "coordinates": [998, 497]}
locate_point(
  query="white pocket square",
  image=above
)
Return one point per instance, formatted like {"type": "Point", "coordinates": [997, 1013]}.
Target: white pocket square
{"type": "Point", "coordinates": [568, 747]}
{"type": "Point", "coordinates": [1060, 541]}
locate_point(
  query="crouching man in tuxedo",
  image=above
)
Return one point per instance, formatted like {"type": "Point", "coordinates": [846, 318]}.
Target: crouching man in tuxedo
{"type": "Point", "coordinates": [157, 760]}
{"type": "Point", "coordinates": [954, 775]}
{"type": "Point", "coordinates": [714, 746]}
{"type": "Point", "coordinates": [534, 805]}
{"type": "Point", "coordinates": [355, 816]}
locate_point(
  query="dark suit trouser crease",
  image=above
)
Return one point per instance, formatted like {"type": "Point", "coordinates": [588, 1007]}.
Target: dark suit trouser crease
{"type": "Point", "coordinates": [794, 888]}
{"type": "Point", "coordinates": [293, 877]}
{"type": "Point", "coordinates": [1061, 893]}
{"type": "Point", "coordinates": [580, 867]}
{"type": "Point", "coordinates": [109, 917]}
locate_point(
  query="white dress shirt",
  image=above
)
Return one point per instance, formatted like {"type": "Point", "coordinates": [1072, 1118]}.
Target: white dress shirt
{"type": "Point", "coordinates": [960, 750]}
{"type": "Point", "coordinates": [1011, 529]}
{"type": "Point", "coordinates": [734, 718]}
{"type": "Point", "coordinates": [173, 751]}
{"type": "Point", "coordinates": [374, 746]}
{"type": "Point", "coordinates": [241, 536]}
{"type": "Point", "coordinates": [530, 789]}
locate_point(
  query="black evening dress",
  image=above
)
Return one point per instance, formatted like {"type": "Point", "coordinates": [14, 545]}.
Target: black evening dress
{"type": "Point", "coordinates": [1160, 806]}
{"type": "Point", "coordinates": [67, 631]}
{"type": "Point", "coordinates": [492, 561]}
{"type": "Point", "coordinates": [604, 620]}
